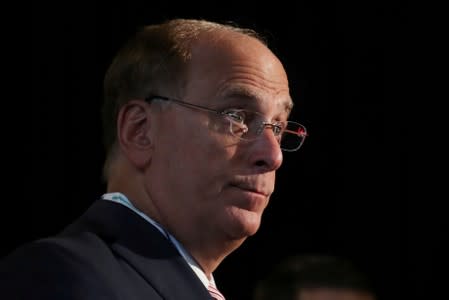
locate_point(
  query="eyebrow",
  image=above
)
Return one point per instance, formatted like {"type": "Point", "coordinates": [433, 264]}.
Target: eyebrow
{"type": "Point", "coordinates": [238, 91]}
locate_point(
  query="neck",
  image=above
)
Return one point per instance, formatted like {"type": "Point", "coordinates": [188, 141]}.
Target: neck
{"type": "Point", "coordinates": [210, 253]}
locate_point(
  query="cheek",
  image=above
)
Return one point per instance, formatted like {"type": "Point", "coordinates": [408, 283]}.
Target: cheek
{"type": "Point", "coordinates": [203, 142]}
{"type": "Point", "coordinates": [208, 165]}
{"type": "Point", "coordinates": [198, 156]}
{"type": "Point", "coordinates": [193, 155]}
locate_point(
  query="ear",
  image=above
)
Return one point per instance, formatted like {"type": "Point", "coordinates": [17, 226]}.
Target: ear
{"type": "Point", "coordinates": [134, 134]}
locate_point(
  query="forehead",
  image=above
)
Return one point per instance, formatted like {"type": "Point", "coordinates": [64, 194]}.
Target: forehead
{"type": "Point", "coordinates": [235, 66]}
{"type": "Point", "coordinates": [253, 97]}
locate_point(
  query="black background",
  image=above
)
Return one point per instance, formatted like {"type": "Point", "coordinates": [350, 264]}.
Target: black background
{"type": "Point", "coordinates": [343, 193]}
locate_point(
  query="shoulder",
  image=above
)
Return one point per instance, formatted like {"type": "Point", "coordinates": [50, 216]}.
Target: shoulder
{"type": "Point", "coordinates": [53, 268]}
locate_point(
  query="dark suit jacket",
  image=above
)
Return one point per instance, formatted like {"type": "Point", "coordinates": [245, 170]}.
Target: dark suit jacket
{"type": "Point", "coordinates": [108, 253]}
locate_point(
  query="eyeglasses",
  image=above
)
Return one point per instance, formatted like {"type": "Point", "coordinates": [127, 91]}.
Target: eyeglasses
{"type": "Point", "coordinates": [249, 125]}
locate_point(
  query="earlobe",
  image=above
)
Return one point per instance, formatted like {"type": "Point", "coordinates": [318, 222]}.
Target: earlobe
{"type": "Point", "coordinates": [133, 133]}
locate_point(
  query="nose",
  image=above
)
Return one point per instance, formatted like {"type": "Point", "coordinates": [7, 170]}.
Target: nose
{"type": "Point", "coordinates": [266, 152]}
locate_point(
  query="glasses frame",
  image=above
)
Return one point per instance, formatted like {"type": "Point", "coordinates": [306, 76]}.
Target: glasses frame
{"type": "Point", "coordinates": [224, 113]}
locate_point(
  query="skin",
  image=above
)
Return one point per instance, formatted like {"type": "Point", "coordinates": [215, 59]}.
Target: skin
{"type": "Point", "coordinates": [184, 169]}
{"type": "Point", "coordinates": [333, 294]}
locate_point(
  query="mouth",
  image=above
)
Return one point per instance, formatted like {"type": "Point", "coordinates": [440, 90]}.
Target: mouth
{"type": "Point", "coordinates": [251, 189]}
{"type": "Point", "coordinates": [249, 197]}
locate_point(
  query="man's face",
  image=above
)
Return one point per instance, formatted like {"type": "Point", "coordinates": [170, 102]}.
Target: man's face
{"type": "Point", "coordinates": [204, 180]}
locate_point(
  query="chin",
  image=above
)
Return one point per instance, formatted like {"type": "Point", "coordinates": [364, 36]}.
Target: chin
{"type": "Point", "coordinates": [244, 224]}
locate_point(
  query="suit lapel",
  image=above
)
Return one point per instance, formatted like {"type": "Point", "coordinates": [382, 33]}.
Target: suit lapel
{"type": "Point", "coordinates": [144, 247]}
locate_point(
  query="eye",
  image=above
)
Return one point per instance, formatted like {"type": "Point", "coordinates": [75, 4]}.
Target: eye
{"type": "Point", "coordinates": [237, 116]}
{"type": "Point", "coordinates": [277, 129]}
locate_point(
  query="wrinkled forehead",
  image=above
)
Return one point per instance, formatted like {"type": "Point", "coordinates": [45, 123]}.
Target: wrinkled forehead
{"type": "Point", "coordinates": [223, 49]}
{"type": "Point", "coordinates": [235, 65]}
{"type": "Point", "coordinates": [254, 99]}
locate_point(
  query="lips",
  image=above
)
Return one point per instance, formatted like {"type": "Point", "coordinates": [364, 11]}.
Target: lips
{"type": "Point", "coordinates": [250, 197]}
{"type": "Point", "coordinates": [251, 188]}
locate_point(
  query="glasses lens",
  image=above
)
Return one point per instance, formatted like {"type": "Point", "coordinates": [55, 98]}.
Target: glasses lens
{"type": "Point", "coordinates": [248, 125]}
{"type": "Point", "coordinates": [293, 136]}
{"type": "Point", "coordinates": [244, 124]}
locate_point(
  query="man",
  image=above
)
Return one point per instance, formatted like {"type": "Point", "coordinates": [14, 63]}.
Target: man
{"type": "Point", "coordinates": [195, 118]}
{"type": "Point", "coordinates": [315, 277]}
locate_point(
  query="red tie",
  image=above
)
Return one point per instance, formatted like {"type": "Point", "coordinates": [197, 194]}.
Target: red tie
{"type": "Point", "coordinates": [215, 293]}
